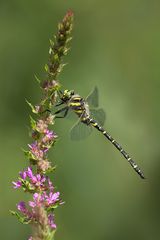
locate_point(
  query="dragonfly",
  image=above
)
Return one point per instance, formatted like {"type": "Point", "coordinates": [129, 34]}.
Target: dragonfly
{"type": "Point", "coordinates": [89, 116]}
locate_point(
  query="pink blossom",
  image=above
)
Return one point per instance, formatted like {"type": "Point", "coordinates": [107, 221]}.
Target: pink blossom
{"type": "Point", "coordinates": [21, 207]}
{"type": "Point", "coordinates": [17, 184]}
{"type": "Point", "coordinates": [37, 200]}
{"type": "Point", "coordinates": [52, 198]}
{"type": "Point", "coordinates": [41, 126]}
{"type": "Point", "coordinates": [51, 221]}
{"type": "Point", "coordinates": [23, 175]}
{"type": "Point", "coordinates": [50, 185]}
{"type": "Point", "coordinates": [29, 172]}
{"type": "Point", "coordinates": [49, 136]}
{"type": "Point", "coordinates": [38, 180]}
{"type": "Point", "coordinates": [36, 151]}
{"type": "Point", "coordinates": [30, 238]}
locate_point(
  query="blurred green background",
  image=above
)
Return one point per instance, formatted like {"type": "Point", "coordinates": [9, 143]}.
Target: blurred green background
{"type": "Point", "coordinates": [116, 46]}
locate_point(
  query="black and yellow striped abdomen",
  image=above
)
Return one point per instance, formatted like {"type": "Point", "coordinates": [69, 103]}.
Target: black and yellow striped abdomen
{"type": "Point", "coordinates": [118, 146]}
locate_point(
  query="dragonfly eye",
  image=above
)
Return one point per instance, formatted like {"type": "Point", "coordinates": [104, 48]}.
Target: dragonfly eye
{"type": "Point", "coordinates": [67, 95]}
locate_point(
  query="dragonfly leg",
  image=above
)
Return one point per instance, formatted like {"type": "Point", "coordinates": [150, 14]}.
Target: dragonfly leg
{"type": "Point", "coordinates": [58, 104]}
{"type": "Point", "coordinates": [65, 110]}
{"type": "Point", "coordinates": [46, 110]}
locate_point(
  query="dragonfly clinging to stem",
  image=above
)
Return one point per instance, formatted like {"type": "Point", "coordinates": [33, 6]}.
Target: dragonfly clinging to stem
{"type": "Point", "coordinates": [89, 116]}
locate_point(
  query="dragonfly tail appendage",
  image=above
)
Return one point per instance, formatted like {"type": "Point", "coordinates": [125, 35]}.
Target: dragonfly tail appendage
{"type": "Point", "coordinates": [118, 146]}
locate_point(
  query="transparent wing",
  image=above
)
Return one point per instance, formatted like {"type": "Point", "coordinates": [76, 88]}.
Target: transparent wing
{"type": "Point", "coordinates": [99, 115]}
{"type": "Point", "coordinates": [80, 131]}
{"type": "Point", "coordinates": [93, 99]}
{"type": "Point", "coordinates": [71, 116]}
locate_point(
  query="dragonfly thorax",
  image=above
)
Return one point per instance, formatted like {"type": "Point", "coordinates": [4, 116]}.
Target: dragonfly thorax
{"type": "Point", "coordinates": [77, 104]}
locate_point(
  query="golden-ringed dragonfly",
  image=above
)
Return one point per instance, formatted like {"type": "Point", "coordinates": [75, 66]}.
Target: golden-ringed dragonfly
{"type": "Point", "coordinates": [89, 116]}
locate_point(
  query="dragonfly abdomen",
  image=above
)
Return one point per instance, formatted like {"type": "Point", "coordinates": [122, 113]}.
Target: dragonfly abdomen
{"type": "Point", "coordinates": [118, 146]}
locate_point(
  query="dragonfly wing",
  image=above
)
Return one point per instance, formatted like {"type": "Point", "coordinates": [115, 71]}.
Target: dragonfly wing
{"type": "Point", "coordinates": [99, 115]}
{"type": "Point", "coordinates": [80, 131]}
{"type": "Point", "coordinates": [71, 116]}
{"type": "Point", "coordinates": [93, 99]}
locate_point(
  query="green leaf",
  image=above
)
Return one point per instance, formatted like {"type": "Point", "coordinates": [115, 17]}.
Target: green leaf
{"type": "Point", "coordinates": [56, 57]}
{"type": "Point", "coordinates": [60, 27]}
{"type": "Point", "coordinates": [31, 106]}
{"type": "Point", "coordinates": [61, 66]}
{"type": "Point", "coordinates": [28, 154]}
{"type": "Point", "coordinates": [66, 51]}
{"type": "Point", "coordinates": [50, 235]}
{"type": "Point", "coordinates": [68, 39]}
{"type": "Point", "coordinates": [33, 161]}
{"type": "Point", "coordinates": [46, 68]}
{"type": "Point", "coordinates": [27, 187]}
{"type": "Point", "coordinates": [51, 169]}
{"type": "Point", "coordinates": [50, 50]}
{"type": "Point", "coordinates": [23, 220]}
{"type": "Point", "coordinates": [51, 42]}
{"type": "Point", "coordinates": [33, 123]}
{"type": "Point", "coordinates": [37, 79]}
{"type": "Point", "coordinates": [51, 208]}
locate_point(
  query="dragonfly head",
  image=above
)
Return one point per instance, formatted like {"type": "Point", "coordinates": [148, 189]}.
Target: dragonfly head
{"type": "Point", "coordinates": [67, 94]}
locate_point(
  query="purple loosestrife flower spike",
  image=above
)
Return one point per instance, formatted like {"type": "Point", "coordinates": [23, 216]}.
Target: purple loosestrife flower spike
{"type": "Point", "coordinates": [39, 211]}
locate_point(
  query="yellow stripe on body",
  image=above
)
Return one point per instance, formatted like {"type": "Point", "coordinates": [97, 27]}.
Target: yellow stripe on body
{"type": "Point", "coordinates": [78, 111]}
{"type": "Point", "coordinates": [75, 104]}
{"type": "Point", "coordinates": [94, 124]}
{"type": "Point", "coordinates": [77, 98]}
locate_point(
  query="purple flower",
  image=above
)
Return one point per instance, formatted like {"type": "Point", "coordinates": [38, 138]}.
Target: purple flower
{"type": "Point", "coordinates": [17, 184]}
{"type": "Point", "coordinates": [38, 180]}
{"type": "Point", "coordinates": [29, 172]}
{"type": "Point", "coordinates": [23, 175]}
{"type": "Point", "coordinates": [21, 207]}
{"type": "Point", "coordinates": [50, 185]}
{"type": "Point", "coordinates": [44, 199]}
{"type": "Point", "coordinates": [45, 149]}
{"type": "Point", "coordinates": [37, 200]}
{"type": "Point", "coordinates": [32, 204]}
{"type": "Point", "coordinates": [49, 136]}
{"type": "Point", "coordinates": [52, 198]}
{"type": "Point", "coordinates": [51, 221]}
{"type": "Point", "coordinates": [36, 151]}
{"type": "Point", "coordinates": [33, 182]}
